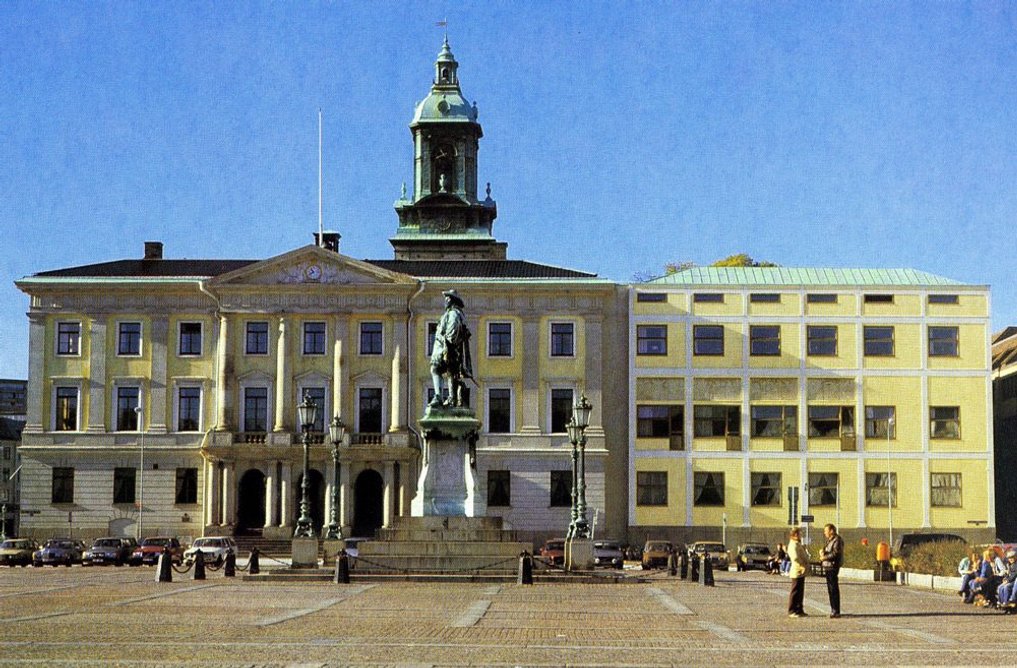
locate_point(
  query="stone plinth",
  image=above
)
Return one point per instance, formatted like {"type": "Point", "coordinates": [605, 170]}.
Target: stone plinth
{"type": "Point", "coordinates": [304, 553]}
{"type": "Point", "coordinates": [579, 554]}
{"type": "Point", "coordinates": [445, 487]}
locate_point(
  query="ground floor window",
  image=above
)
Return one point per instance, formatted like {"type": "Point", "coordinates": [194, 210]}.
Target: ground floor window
{"type": "Point", "coordinates": [187, 485]}
{"type": "Point", "coordinates": [499, 488]}
{"type": "Point", "coordinates": [823, 489]}
{"type": "Point", "coordinates": [63, 485]}
{"type": "Point", "coordinates": [561, 489]}
{"type": "Point", "coordinates": [123, 484]}
{"type": "Point", "coordinates": [708, 488]}
{"type": "Point", "coordinates": [651, 488]}
{"type": "Point", "coordinates": [765, 489]}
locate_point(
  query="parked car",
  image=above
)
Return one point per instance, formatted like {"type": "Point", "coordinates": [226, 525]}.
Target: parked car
{"type": "Point", "coordinates": [214, 549]}
{"type": "Point", "coordinates": [608, 553]}
{"type": "Point", "coordinates": [715, 552]}
{"type": "Point", "coordinates": [655, 553]}
{"type": "Point", "coordinates": [907, 543]}
{"type": "Point", "coordinates": [752, 555]}
{"type": "Point", "coordinates": [150, 548]}
{"type": "Point", "coordinates": [553, 551]}
{"type": "Point", "coordinates": [59, 552]}
{"type": "Point", "coordinates": [108, 550]}
{"type": "Point", "coordinates": [17, 551]}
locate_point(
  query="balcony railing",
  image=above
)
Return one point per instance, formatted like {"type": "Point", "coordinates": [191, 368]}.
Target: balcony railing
{"type": "Point", "coordinates": [258, 437]}
{"type": "Point", "coordinates": [361, 438]}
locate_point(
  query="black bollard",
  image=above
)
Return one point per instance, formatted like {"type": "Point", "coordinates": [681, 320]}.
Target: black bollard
{"type": "Point", "coordinates": [342, 568]}
{"type": "Point", "coordinates": [229, 568]}
{"type": "Point", "coordinates": [707, 572]}
{"type": "Point", "coordinates": [694, 564]}
{"type": "Point", "coordinates": [164, 571]}
{"type": "Point", "coordinates": [683, 563]}
{"type": "Point", "coordinates": [672, 567]}
{"type": "Point", "coordinates": [252, 563]}
{"type": "Point", "coordinates": [525, 569]}
{"type": "Point", "coordinates": [199, 566]}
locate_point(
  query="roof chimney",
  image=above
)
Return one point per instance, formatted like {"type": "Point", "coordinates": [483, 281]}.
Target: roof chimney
{"type": "Point", "coordinates": [153, 250]}
{"type": "Point", "coordinates": [329, 240]}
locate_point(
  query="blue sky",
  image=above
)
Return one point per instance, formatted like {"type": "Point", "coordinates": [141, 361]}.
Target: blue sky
{"type": "Point", "coordinates": [618, 136]}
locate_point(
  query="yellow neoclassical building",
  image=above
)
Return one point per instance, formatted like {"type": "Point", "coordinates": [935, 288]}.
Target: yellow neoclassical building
{"type": "Point", "coordinates": [162, 392]}
{"type": "Point", "coordinates": [761, 395]}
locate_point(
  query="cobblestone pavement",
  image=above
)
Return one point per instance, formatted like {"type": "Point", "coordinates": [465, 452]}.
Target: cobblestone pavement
{"type": "Point", "coordinates": [110, 616]}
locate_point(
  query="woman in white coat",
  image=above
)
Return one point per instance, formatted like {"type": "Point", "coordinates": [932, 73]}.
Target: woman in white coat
{"type": "Point", "coordinates": [799, 556]}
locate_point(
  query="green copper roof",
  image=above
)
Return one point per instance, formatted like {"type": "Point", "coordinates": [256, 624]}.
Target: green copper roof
{"type": "Point", "coordinates": [791, 276]}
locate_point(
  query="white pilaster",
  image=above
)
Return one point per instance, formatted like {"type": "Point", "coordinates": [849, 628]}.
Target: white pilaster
{"type": "Point", "coordinates": [281, 377]}
{"type": "Point", "coordinates": [38, 349]}
{"type": "Point", "coordinates": [97, 377]}
{"type": "Point", "coordinates": [396, 396]}
{"type": "Point", "coordinates": [270, 519]}
{"type": "Point", "coordinates": [222, 358]}
{"type": "Point", "coordinates": [388, 495]}
{"type": "Point", "coordinates": [286, 495]}
{"type": "Point", "coordinates": [157, 388]}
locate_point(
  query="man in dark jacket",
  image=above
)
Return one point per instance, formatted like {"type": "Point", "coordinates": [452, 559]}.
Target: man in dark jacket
{"type": "Point", "coordinates": [833, 558]}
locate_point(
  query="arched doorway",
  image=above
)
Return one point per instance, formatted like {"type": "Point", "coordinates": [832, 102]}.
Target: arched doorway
{"type": "Point", "coordinates": [367, 503]}
{"type": "Point", "coordinates": [315, 497]}
{"type": "Point", "coordinates": [251, 502]}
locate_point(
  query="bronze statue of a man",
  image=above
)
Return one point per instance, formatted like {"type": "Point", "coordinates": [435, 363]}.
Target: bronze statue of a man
{"type": "Point", "coordinates": [450, 356]}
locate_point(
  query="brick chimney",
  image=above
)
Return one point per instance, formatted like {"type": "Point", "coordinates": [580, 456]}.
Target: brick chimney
{"type": "Point", "coordinates": [153, 250]}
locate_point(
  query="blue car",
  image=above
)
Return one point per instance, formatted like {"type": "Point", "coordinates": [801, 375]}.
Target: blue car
{"type": "Point", "coordinates": [59, 552]}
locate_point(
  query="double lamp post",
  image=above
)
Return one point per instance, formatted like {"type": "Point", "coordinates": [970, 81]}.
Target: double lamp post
{"type": "Point", "coordinates": [307, 414]}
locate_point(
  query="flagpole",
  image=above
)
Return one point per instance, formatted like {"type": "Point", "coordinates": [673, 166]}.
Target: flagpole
{"type": "Point", "coordinates": [321, 230]}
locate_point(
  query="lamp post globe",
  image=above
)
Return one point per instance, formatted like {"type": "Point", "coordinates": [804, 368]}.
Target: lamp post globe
{"type": "Point", "coordinates": [307, 413]}
{"type": "Point", "coordinates": [336, 433]}
{"type": "Point", "coordinates": [579, 526]}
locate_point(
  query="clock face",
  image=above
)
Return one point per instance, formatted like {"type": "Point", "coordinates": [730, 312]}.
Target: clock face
{"type": "Point", "coordinates": [313, 272]}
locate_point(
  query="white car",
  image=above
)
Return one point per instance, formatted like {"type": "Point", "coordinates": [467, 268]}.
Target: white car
{"type": "Point", "coordinates": [214, 548]}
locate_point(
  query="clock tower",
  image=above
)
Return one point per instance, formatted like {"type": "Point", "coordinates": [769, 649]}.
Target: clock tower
{"type": "Point", "coordinates": [443, 218]}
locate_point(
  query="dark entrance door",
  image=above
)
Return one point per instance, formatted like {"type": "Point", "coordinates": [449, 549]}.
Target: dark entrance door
{"type": "Point", "coordinates": [315, 497]}
{"type": "Point", "coordinates": [367, 503]}
{"type": "Point", "coordinates": [251, 502]}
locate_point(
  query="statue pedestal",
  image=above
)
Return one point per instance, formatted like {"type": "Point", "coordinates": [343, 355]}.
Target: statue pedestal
{"type": "Point", "coordinates": [304, 553]}
{"type": "Point", "coordinates": [445, 487]}
{"type": "Point", "coordinates": [578, 554]}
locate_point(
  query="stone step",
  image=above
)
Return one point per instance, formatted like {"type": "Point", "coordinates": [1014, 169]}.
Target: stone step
{"type": "Point", "coordinates": [371, 549]}
{"type": "Point", "coordinates": [483, 563]}
{"type": "Point", "coordinates": [448, 522]}
{"type": "Point", "coordinates": [405, 534]}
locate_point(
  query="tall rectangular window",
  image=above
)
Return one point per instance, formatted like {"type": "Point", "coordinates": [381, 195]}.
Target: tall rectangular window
{"type": "Point", "coordinates": [831, 421]}
{"type": "Point", "coordinates": [712, 420]}
{"type": "Point", "coordinates": [707, 340]}
{"type": "Point", "coordinates": [371, 338]}
{"type": "Point", "coordinates": [878, 341]}
{"type": "Point", "coordinates": [432, 331]}
{"type": "Point", "coordinates": [561, 409]}
{"type": "Point", "coordinates": [189, 409]}
{"type": "Point", "coordinates": [63, 485]}
{"type": "Point", "coordinates": [823, 489]}
{"type": "Point", "coordinates": [654, 421]}
{"type": "Point", "coordinates": [499, 410]}
{"type": "Point", "coordinates": [255, 409]}
{"type": "Point", "coordinates": [876, 489]}
{"type": "Point", "coordinates": [945, 490]}
{"type": "Point", "coordinates": [563, 339]}
{"type": "Point", "coordinates": [317, 395]}
{"type": "Point", "coordinates": [190, 338]}
{"type": "Point", "coordinates": [123, 484]}
{"type": "Point", "coordinates": [314, 338]}
{"type": "Point", "coordinates": [880, 421]}
{"type": "Point", "coordinates": [257, 338]}
{"type": "Point", "coordinates": [764, 340]}
{"type": "Point", "coordinates": [68, 338]}
{"type": "Point", "coordinates": [651, 339]}
{"type": "Point", "coordinates": [774, 421]}
{"type": "Point", "coordinates": [765, 489]}
{"type": "Point", "coordinates": [186, 486]}
{"type": "Point", "coordinates": [944, 421]}
{"type": "Point", "coordinates": [66, 409]}
{"type": "Point", "coordinates": [499, 488]}
{"type": "Point", "coordinates": [651, 488]}
{"type": "Point", "coordinates": [944, 341]}
{"type": "Point", "coordinates": [499, 339]}
{"type": "Point", "coordinates": [369, 410]}
{"type": "Point", "coordinates": [129, 338]}
{"type": "Point", "coordinates": [707, 488]}
{"type": "Point", "coordinates": [127, 401]}
{"type": "Point", "coordinates": [561, 489]}
{"type": "Point", "coordinates": [822, 340]}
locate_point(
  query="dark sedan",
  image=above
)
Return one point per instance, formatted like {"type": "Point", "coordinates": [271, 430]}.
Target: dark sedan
{"type": "Point", "coordinates": [114, 551]}
{"type": "Point", "coordinates": [59, 552]}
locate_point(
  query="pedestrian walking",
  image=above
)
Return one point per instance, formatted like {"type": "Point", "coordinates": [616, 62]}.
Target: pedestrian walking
{"type": "Point", "coordinates": [799, 556]}
{"type": "Point", "coordinates": [832, 556]}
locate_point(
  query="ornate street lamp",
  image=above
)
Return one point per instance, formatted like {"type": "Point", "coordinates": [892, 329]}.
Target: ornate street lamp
{"type": "Point", "coordinates": [336, 432]}
{"type": "Point", "coordinates": [579, 527]}
{"type": "Point", "coordinates": [307, 413]}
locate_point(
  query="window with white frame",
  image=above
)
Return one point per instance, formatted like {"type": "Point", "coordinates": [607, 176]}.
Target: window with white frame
{"type": "Point", "coordinates": [189, 339]}
{"type": "Point", "coordinates": [129, 339]}
{"type": "Point", "coordinates": [128, 398]}
{"type": "Point", "coordinates": [369, 410]}
{"type": "Point", "coordinates": [189, 408]}
{"type": "Point", "coordinates": [499, 410]}
{"type": "Point", "coordinates": [563, 339]}
{"type": "Point", "coordinates": [372, 338]}
{"type": "Point", "coordinates": [255, 409]}
{"type": "Point", "coordinates": [68, 338]}
{"type": "Point", "coordinates": [561, 409]}
{"type": "Point", "coordinates": [66, 409]}
{"type": "Point", "coordinates": [314, 338]}
{"type": "Point", "coordinates": [499, 339]}
{"type": "Point", "coordinates": [257, 338]}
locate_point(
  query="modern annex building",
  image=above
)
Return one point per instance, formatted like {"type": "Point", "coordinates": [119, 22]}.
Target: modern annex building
{"type": "Point", "coordinates": [845, 388]}
{"type": "Point", "coordinates": [162, 393]}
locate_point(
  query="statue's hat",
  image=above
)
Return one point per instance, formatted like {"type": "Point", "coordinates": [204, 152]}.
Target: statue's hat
{"type": "Point", "coordinates": [454, 296]}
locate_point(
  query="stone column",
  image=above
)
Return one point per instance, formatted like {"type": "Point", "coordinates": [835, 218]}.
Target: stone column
{"type": "Point", "coordinates": [345, 494]}
{"type": "Point", "coordinates": [339, 369]}
{"type": "Point", "coordinates": [286, 495]}
{"type": "Point", "coordinates": [270, 519]}
{"type": "Point", "coordinates": [388, 495]}
{"type": "Point", "coordinates": [37, 351]}
{"type": "Point", "coordinates": [213, 516]}
{"type": "Point", "coordinates": [281, 378]}
{"type": "Point", "coordinates": [395, 417]}
{"type": "Point", "coordinates": [97, 377]}
{"type": "Point", "coordinates": [530, 422]}
{"type": "Point", "coordinates": [229, 485]}
{"type": "Point", "coordinates": [222, 361]}
{"type": "Point", "coordinates": [157, 386]}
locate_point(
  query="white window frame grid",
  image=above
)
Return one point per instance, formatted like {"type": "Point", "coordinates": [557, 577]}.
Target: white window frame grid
{"type": "Point", "coordinates": [190, 383]}
{"type": "Point", "coordinates": [141, 338]}
{"type": "Point", "coordinates": [303, 339]}
{"type": "Point", "coordinates": [76, 383]}
{"type": "Point", "coordinates": [268, 337]}
{"type": "Point", "coordinates": [56, 337]}
{"type": "Point", "coordinates": [512, 339]}
{"type": "Point", "coordinates": [550, 338]}
{"type": "Point", "coordinates": [180, 338]}
{"type": "Point", "coordinates": [114, 408]}
{"type": "Point", "coordinates": [550, 402]}
{"type": "Point", "coordinates": [487, 407]}
{"type": "Point", "coordinates": [270, 403]}
{"type": "Point", "coordinates": [360, 338]}
{"type": "Point", "coordinates": [384, 405]}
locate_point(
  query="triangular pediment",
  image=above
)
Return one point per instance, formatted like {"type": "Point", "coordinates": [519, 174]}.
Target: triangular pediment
{"type": "Point", "coordinates": [311, 265]}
